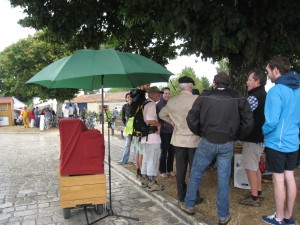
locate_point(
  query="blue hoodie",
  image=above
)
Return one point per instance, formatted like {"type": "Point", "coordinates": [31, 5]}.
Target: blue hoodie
{"type": "Point", "coordinates": [282, 114]}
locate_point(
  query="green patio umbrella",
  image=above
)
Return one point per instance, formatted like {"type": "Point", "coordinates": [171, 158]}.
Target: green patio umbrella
{"type": "Point", "coordinates": [95, 69]}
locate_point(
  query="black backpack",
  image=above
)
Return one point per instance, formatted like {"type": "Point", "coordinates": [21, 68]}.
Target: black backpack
{"type": "Point", "coordinates": [138, 98]}
{"type": "Point", "coordinates": [140, 128]}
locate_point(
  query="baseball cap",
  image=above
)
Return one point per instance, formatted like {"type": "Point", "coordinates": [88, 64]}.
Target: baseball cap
{"type": "Point", "coordinates": [186, 79]}
{"type": "Point", "coordinates": [154, 89]}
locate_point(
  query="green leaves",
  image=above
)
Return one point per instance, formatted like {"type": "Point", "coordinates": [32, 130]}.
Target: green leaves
{"type": "Point", "coordinates": [20, 61]}
{"type": "Point", "coordinates": [246, 32]}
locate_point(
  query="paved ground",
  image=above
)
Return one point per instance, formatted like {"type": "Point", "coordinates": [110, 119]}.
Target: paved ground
{"type": "Point", "coordinates": [29, 187]}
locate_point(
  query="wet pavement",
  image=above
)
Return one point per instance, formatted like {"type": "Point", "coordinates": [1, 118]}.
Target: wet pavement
{"type": "Point", "coordinates": [29, 187]}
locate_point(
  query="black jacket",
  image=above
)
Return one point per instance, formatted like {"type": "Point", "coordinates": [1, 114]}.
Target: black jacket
{"type": "Point", "coordinates": [256, 134]}
{"type": "Point", "coordinates": [125, 113]}
{"type": "Point", "coordinates": [220, 116]}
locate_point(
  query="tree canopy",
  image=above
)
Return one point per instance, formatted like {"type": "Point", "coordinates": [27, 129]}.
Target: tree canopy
{"type": "Point", "coordinates": [190, 72]}
{"type": "Point", "coordinates": [20, 61]}
{"type": "Point", "coordinates": [247, 32]}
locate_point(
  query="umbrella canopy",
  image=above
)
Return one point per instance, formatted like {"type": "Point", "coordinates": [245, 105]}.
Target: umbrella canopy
{"type": "Point", "coordinates": [95, 69]}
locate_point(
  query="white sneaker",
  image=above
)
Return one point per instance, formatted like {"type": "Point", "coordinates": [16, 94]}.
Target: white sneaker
{"type": "Point", "coordinates": [173, 174]}
{"type": "Point", "coordinates": [164, 175]}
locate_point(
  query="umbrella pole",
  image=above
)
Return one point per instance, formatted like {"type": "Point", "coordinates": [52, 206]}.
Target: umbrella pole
{"type": "Point", "coordinates": [109, 210]}
{"type": "Point", "coordinates": [102, 110]}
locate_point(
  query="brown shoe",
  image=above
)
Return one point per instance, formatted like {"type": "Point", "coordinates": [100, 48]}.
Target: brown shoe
{"type": "Point", "coordinates": [248, 195]}
{"type": "Point", "coordinates": [250, 202]}
{"type": "Point", "coordinates": [187, 210]}
{"type": "Point", "coordinates": [145, 182]}
{"type": "Point", "coordinates": [225, 221]}
{"type": "Point", "coordinates": [154, 186]}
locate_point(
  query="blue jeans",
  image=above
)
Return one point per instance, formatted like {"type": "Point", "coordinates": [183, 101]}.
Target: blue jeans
{"type": "Point", "coordinates": [205, 153]}
{"type": "Point", "coordinates": [126, 151]}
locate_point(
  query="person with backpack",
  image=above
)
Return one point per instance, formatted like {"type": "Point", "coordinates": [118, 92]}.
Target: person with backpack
{"type": "Point", "coordinates": [150, 141]}
{"type": "Point", "coordinates": [138, 97]}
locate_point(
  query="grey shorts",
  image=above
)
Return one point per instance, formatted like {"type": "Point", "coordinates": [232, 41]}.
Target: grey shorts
{"type": "Point", "coordinates": [137, 145]}
{"type": "Point", "coordinates": [251, 155]}
{"type": "Point", "coordinates": [151, 156]}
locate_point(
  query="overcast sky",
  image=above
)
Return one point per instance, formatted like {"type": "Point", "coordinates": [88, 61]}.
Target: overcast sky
{"type": "Point", "coordinates": [11, 31]}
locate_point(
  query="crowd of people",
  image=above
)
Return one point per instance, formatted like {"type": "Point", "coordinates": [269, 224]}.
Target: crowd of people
{"type": "Point", "coordinates": [198, 129]}
{"type": "Point", "coordinates": [30, 118]}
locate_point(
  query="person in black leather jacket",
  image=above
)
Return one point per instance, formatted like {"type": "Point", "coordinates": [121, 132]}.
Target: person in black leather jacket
{"type": "Point", "coordinates": [220, 116]}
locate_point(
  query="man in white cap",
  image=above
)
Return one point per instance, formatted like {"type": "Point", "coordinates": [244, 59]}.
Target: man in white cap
{"type": "Point", "coordinates": [151, 142]}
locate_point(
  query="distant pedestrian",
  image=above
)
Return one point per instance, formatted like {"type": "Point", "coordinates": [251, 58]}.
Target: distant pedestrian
{"type": "Point", "coordinates": [32, 117]}
{"type": "Point", "coordinates": [25, 116]}
{"type": "Point", "coordinates": [16, 116]}
{"type": "Point", "coordinates": [71, 111]}
{"type": "Point", "coordinates": [66, 112]}
{"type": "Point", "coordinates": [36, 112]}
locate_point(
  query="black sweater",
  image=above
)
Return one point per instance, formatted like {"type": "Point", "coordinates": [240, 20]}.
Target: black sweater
{"type": "Point", "coordinates": [256, 134]}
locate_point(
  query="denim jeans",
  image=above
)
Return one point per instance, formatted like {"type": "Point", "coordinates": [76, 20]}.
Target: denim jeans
{"type": "Point", "coordinates": [167, 153]}
{"type": "Point", "coordinates": [126, 151]}
{"type": "Point", "coordinates": [205, 153]}
{"type": "Point", "coordinates": [184, 157]}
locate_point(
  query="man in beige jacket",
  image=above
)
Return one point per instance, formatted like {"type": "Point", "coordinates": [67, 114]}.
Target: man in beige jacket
{"type": "Point", "coordinates": [183, 140]}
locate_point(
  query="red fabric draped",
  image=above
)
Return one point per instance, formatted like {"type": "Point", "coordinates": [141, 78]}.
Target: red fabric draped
{"type": "Point", "coordinates": [81, 150]}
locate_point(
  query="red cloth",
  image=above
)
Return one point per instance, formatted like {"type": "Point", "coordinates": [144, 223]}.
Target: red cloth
{"type": "Point", "coordinates": [31, 114]}
{"type": "Point", "coordinates": [81, 150]}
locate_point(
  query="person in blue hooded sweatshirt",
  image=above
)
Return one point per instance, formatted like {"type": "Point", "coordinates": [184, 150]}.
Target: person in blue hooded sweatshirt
{"type": "Point", "coordinates": [281, 130]}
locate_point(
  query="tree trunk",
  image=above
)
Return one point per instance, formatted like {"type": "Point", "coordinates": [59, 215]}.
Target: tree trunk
{"type": "Point", "coordinates": [238, 72]}
{"type": "Point", "coordinates": [59, 109]}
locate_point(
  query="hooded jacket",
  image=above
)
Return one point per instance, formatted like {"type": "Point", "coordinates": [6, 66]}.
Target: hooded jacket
{"type": "Point", "coordinates": [282, 117]}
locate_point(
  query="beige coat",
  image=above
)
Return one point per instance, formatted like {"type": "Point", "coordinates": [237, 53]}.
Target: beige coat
{"type": "Point", "coordinates": [175, 113]}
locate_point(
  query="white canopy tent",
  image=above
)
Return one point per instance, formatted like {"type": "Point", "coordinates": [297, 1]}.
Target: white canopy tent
{"type": "Point", "coordinates": [18, 105]}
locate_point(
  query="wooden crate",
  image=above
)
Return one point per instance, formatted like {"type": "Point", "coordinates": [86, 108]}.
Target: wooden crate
{"type": "Point", "coordinates": [81, 190]}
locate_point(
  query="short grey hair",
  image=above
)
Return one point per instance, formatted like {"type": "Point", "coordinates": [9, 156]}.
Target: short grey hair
{"type": "Point", "coordinates": [183, 86]}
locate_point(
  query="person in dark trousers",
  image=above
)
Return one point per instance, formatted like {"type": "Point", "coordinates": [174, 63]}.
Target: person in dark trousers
{"type": "Point", "coordinates": [220, 116]}
{"type": "Point", "coordinates": [253, 146]}
{"type": "Point", "coordinates": [167, 151]}
{"type": "Point", "coordinates": [183, 140]}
